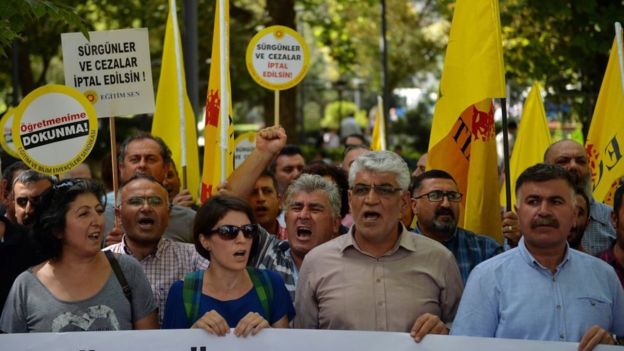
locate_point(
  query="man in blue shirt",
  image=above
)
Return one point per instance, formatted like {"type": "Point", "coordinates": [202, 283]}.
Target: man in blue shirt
{"type": "Point", "coordinates": [542, 290]}
{"type": "Point", "coordinates": [435, 202]}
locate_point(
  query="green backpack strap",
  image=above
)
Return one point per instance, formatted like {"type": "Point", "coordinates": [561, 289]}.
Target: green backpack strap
{"type": "Point", "coordinates": [191, 294]}
{"type": "Point", "coordinates": [264, 289]}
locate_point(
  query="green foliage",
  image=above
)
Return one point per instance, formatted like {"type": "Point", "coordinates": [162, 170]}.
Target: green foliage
{"type": "Point", "coordinates": [337, 110]}
{"type": "Point", "coordinates": [564, 43]}
{"type": "Point", "coordinates": [412, 132]}
{"type": "Point", "coordinates": [350, 31]}
{"type": "Point", "coordinates": [18, 16]}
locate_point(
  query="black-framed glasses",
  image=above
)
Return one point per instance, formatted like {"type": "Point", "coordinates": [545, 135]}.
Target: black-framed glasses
{"type": "Point", "coordinates": [139, 201]}
{"type": "Point", "coordinates": [230, 232]}
{"type": "Point", "coordinates": [439, 195]}
{"type": "Point", "coordinates": [383, 190]}
{"type": "Point", "coordinates": [23, 201]}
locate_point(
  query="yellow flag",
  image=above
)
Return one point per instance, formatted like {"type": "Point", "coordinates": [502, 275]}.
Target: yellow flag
{"type": "Point", "coordinates": [606, 133]}
{"type": "Point", "coordinates": [378, 139]}
{"type": "Point", "coordinates": [219, 130]}
{"type": "Point", "coordinates": [532, 140]}
{"type": "Point", "coordinates": [462, 140]}
{"type": "Point", "coordinates": [173, 108]}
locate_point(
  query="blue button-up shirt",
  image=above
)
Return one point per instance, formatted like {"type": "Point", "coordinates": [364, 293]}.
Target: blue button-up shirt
{"type": "Point", "coordinates": [513, 296]}
{"type": "Point", "coordinates": [599, 234]}
{"type": "Point", "coordinates": [470, 249]}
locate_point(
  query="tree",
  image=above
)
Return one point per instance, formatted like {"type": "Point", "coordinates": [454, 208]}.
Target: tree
{"type": "Point", "coordinates": [350, 31]}
{"type": "Point", "coordinates": [564, 43]}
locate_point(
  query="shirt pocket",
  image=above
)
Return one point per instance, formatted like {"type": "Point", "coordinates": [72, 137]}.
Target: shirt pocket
{"type": "Point", "coordinates": [594, 309]}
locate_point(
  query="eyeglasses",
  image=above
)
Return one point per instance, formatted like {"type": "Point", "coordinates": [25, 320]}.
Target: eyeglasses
{"type": "Point", "coordinates": [139, 201]}
{"type": "Point", "coordinates": [23, 201]}
{"type": "Point", "coordinates": [383, 190]}
{"type": "Point", "coordinates": [439, 195]}
{"type": "Point", "coordinates": [230, 232]}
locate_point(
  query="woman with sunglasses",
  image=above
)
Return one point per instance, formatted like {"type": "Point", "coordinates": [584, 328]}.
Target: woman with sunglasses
{"type": "Point", "coordinates": [228, 294]}
{"type": "Point", "coordinates": [77, 288]}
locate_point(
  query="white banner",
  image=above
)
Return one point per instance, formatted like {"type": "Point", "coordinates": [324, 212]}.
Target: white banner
{"type": "Point", "coordinates": [113, 70]}
{"type": "Point", "coordinates": [267, 340]}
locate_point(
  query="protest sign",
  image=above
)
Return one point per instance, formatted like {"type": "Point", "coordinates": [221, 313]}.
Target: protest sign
{"type": "Point", "coordinates": [244, 145]}
{"type": "Point", "coordinates": [54, 129]}
{"type": "Point", "coordinates": [112, 69]}
{"type": "Point", "coordinates": [277, 58]}
{"type": "Point", "coordinates": [270, 339]}
{"type": "Point", "coordinates": [6, 137]}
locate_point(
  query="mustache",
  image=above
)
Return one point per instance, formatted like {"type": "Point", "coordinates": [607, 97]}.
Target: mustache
{"type": "Point", "coordinates": [545, 222]}
{"type": "Point", "coordinates": [444, 212]}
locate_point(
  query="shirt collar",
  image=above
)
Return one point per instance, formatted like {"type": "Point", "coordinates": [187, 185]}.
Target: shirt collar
{"type": "Point", "coordinates": [531, 261]}
{"type": "Point", "coordinates": [157, 252]}
{"type": "Point", "coordinates": [403, 241]}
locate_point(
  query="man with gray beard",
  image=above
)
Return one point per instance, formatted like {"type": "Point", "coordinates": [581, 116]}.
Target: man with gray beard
{"type": "Point", "coordinates": [599, 234]}
{"type": "Point", "coordinates": [435, 202]}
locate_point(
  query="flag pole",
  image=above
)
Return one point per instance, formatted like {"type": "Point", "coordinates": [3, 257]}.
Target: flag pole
{"type": "Point", "coordinates": [225, 98]}
{"type": "Point", "coordinates": [618, 40]}
{"type": "Point", "coordinates": [276, 120]}
{"type": "Point", "coordinates": [382, 127]}
{"type": "Point", "coordinates": [176, 43]}
{"type": "Point", "coordinates": [503, 102]}
{"type": "Point", "coordinates": [113, 143]}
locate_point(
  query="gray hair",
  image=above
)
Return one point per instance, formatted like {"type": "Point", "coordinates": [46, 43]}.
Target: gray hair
{"type": "Point", "coordinates": [312, 182]}
{"type": "Point", "coordinates": [381, 161]}
{"type": "Point", "coordinates": [31, 176]}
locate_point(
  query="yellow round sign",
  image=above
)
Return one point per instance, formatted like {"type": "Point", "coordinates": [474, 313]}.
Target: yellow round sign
{"type": "Point", "coordinates": [6, 133]}
{"type": "Point", "coordinates": [277, 58]}
{"type": "Point", "coordinates": [54, 129]}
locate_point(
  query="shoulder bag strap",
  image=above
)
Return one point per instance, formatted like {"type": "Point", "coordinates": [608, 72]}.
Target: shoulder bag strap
{"type": "Point", "coordinates": [121, 278]}
{"type": "Point", "coordinates": [263, 287]}
{"type": "Point", "coordinates": [191, 294]}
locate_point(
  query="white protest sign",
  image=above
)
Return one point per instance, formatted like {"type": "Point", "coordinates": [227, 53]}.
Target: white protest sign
{"type": "Point", "coordinates": [54, 129]}
{"type": "Point", "coordinates": [244, 145]}
{"type": "Point", "coordinates": [270, 339]}
{"type": "Point", "coordinates": [6, 137]}
{"type": "Point", "coordinates": [277, 58]}
{"type": "Point", "coordinates": [112, 69]}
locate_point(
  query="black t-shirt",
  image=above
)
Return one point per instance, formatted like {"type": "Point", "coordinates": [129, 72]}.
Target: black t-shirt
{"type": "Point", "coordinates": [17, 253]}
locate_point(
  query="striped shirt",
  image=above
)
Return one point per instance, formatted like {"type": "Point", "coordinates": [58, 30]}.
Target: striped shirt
{"type": "Point", "coordinates": [169, 262]}
{"type": "Point", "coordinates": [278, 259]}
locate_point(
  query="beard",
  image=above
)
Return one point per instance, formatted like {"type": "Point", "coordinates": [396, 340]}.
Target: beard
{"type": "Point", "coordinates": [446, 227]}
{"type": "Point", "coordinates": [583, 181]}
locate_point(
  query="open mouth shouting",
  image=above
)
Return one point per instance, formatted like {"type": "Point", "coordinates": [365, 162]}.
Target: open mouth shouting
{"type": "Point", "coordinates": [240, 254]}
{"type": "Point", "coordinates": [304, 232]}
{"type": "Point", "coordinates": [95, 236]}
{"type": "Point", "coordinates": [146, 222]}
{"type": "Point", "coordinates": [371, 216]}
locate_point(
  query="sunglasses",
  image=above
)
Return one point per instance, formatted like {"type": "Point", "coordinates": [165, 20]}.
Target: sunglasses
{"type": "Point", "coordinates": [23, 201]}
{"type": "Point", "coordinates": [230, 232]}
